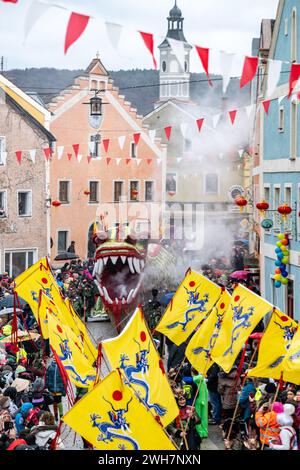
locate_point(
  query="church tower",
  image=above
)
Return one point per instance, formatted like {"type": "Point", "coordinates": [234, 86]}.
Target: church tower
{"type": "Point", "coordinates": [174, 76]}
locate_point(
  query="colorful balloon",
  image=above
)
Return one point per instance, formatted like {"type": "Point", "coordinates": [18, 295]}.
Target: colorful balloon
{"type": "Point", "coordinates": [278, 263]}
{"type": "Point", "coordinates": [281, 236]}
{"type": "Point", "coordinates": [280, 255]}
{"type": "Point", "coordinates": [277, 284]}
{"type": "Point", "coordinates": [284, 274]}
{"type": "Point", "coordinates": [277, 271]}
{"type": "Point", "coordinates": [278, 250]}
{"type": "Point", "coordinates": [285, 281]}
{"type": "Point", "coordinates": [285, 242]}
{"type": "Point", "coordinates": [279, 244]}
{"type": "Point", "coordinates": [285, 260]}
{"type": "Point", "coordinates": [277, 277]}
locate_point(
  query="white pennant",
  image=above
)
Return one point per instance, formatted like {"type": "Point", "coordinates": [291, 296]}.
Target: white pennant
{"type": "Point", "coordinates": [158, 161]}
{"type": "Point", "coordinates": [216, 119]}
{"type": "Point", "coordinates": [281, 98]}
{"type": "Point", "coordinates": [226, 61]}
{"type": "Point", "coordinates": [121, 140]}
{"type": "Point", "coordinates": [183, 128]}
{"type": "Point", "coordinates": [91, 147]}
{"type": "Point", "coordinates": [274, 69]}
{"type": "Point", "coordinates": [178, 50]}
{"type": "Point", "coordinates": [241, 152]}
{"type": "Point", "coordinates": [138, 161]}
{"type": "Point", "coordinates": [152, 133]}
{"type": "Point", "coordinates": [114, 31]}
{"type": "Point", "coordinates": [60, 151]}
{"type": "Point", "coordinates": [34, 12]}
{"type": "Point", "coordinates": [118, 161]}
{"type": "Point", "coordinates": [179, 159]}
{"type": "Point", "coordinates": [79, 158]}
{"type": "Point", "coordinates": [32, 154]}
{"type": "Point", "coordinates": [249, 109]}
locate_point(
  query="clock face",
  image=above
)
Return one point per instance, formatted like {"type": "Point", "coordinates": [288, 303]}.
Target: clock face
{"type": "Point", "coordinates": [95, 121]}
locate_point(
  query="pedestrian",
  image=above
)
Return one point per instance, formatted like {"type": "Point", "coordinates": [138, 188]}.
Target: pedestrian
{"type": "Point", "coordinates": [227, 387]}
{"type": "Point", "coordinates": [55, 385]}
{"type": "Point", "coordinates": [214, 397]}
{"type": "Point", "coordinates": [266, 420]}
{"type": "Point", "coordinates": [287, 439]}
{"type": "Point", "coordinates": [71, 248]}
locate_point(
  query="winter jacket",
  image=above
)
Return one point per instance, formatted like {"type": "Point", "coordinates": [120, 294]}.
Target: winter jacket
{"type": "Point", "coordinates": [288, 439]}
{"type": "Point", "coordinates": [44, 434]}
{"type": "Point", "coordinates": [21, 416]}
{"type": "Point", "coordinates": [244, 400]}
{"type": "Point", "coordinates": [227, 388]}
{"type": "Point", "coordinates": [212, 378]}
{"type": "Point", "coordinates": [54, 381]}
{"type": "Point", "coordinates": [268, 426]}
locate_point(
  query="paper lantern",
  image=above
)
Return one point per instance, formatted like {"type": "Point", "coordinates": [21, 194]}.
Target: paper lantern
{"type": "Point", "coordinates": [56, 203]}
{"type": "Point", "coordinates": [86, 192]}
{"type": "Point", "coordinates": [284, 210]}
{"type": "Point", "coordinates": [262, 206]}
{"type": "Point", "coordinates": [241, 202]}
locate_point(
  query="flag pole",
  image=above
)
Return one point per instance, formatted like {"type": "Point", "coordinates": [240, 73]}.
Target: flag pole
{"type": "Point", "coordinates": [272, 403]}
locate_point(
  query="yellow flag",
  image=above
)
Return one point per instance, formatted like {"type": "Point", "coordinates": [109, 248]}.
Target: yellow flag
{"type": "Point", "coordinates": [110, 417]}
{"type": "Point", "coordinates": [89, 349]}
{"type": "Point", "coordinates": [244, 313]}
{"type": "Point", "coordinates": [192, 302]}
{"type": "Point", "coordinates": [134, 353]}
{"type": "Point", "coordinates": [45, 305]}
{"type": "Point", "coordinates": [274, 346]}
{"type": "Point", "coordinates": [291, 365]}
{"type": "Point", "coordinates": [202, 343]}
{"type": "Point", "coordinates": [70, 351]}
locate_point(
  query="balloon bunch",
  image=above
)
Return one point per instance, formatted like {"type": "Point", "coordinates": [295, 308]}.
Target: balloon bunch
{"type": "Point", "coordinates": [282, 252]}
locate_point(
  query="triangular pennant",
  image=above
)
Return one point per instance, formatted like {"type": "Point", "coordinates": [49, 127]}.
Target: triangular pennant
{"type": "Point", "coordinates": [76, 149]}
{"type": "Point", "coordinates": [152, 134]}
{"type": "Point", "coordinates": [168, 131]}
{"type": "Point", "coordinates": [226, 61]}
{"type": "Point", "coordinates": [105, 144]}
{"type": "Point", "coordinates": [241, 152]}
{"type": "Point", "coordinates": [89, 158]}
{"type": "Point", "coordinates": [136, 137]}
{"type": "Point", "coordinates": [294, 75]}
{"type": "Point", "coordinates": [184, 128]}
{"type": "Point", "coordinates": [179, 159]}
{"type": "Point", "coordinates": [266, 105]}
{"type": "Point", "coordinates": [91, 146]}
{"type": "Point", "coordinates": [118, 160]}
{"type": "Point", "coordinates": [149, 43]}
{"type": "Point", "coordinates": [34, 12]}
{"type": "Point", "coordinates": [204, 57]}
{"type": "Point", "coordinates": [113, 31]}
{"type": "Point", "coordinates": [138, 161]}
{"type": "Point", "coordinates": [249, 110]}
{"type": "Point", "coordinates": [69, 155]}
{"type": "Point", "coordinates": [178, 50]}
{"type": "Point", "coordinates": [121, 140]}
{"type": "Point", "coordinates": [200, 123]}
{"type": "Point", "coordinates": [60, 151]}
{"type": "Point", "coordinates": [32, 154]}
{"type": "Point", "coordinates": [108, 160]}
{"type": "Point", "coordinates": [19, 156]}
{"type": "Point", "coordinates": [149, 161]}
{"type": "Point", "coordinates": [215, 120]}
{"type": "Point", "coordinates": [128, 160]}
{"type": "Point", "coordinates": [47, 153]}
{"type": "Point", "coordinates": [76, 26]}
{"type": "Point", "coordinates": [274, 70]}
{"type": "Point", "coordinates": [232, 115]}
{"type": "Point", "coordinates": [281, 98]}
{"type": "Point", "coordinates": [249, 70]}
{"type": "Point", "coordinates": [79, 157]}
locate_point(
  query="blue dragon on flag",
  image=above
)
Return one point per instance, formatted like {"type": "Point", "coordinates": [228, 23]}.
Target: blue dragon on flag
{"type": "Point", "coordinates": [213, 338]}
{"type": "Point", "coordinates": [117, 422]}
{"type": "Point", "coordinates": [197, 305]}
{"type": "Point", "coordinates": [241, 320]}
{"type": "Point", "coordinates": [288, 334]}
{"type": "Point", "coordinates": [141, 367]}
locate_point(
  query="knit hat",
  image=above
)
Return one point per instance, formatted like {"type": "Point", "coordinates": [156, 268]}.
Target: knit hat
{"type": "Point", "coordinates": [270, 388]}
{"type": "Point", "coordinates": [7, 330]}
{"type": "Point", "coordinates": [277, 407]}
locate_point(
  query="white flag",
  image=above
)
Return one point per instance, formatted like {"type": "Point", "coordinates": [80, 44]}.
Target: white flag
{"type": "Point", "coordinates": [121, 140]}
{"type": "Point", "coordinates": [118, 160]}
{"type": "Point", "coordinates": [152, 133]}
{"type": "Point", "coordinates": [34, 12]}
{"type": "Point", "coordinates": [32, 154]}
{"type": "Point", "coordinates": [79, 158]}
{"type": "Point", "coordinates": [226, 61]}
{"type": "Point", "coordinates": [60, 151]}
{"type": "Point", "coordinates": [281, 98]}
{"type": "Point", "coordinates": [274, 69]}
{"type": "Point", "coordinates": [216, 119]}
{"type": "Point", "coordinates": [114, 31]}
{"type": "Point", "coordinates": [178, 50]}
{"type": "Point", "coordinates": [249, 110]}
{"type": "Point", "coordinates": [138, 161]}
{"type": "Point", "coordinates": [91, 147]}
{"type": "Point", "coordinates": [183, 128]}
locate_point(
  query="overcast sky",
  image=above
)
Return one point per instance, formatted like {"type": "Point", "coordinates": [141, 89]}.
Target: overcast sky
{"type": "Point", "coordinates": [226, 25]}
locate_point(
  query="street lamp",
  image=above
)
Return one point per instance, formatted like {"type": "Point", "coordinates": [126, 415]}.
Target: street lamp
{"type": "Point", "coordinates": [96, 105]}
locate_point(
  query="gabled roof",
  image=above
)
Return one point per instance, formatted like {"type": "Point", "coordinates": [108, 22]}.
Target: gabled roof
{"type": "Point", "coordinates": [96, 68]}
{"type": "Point", "coordinates": [192, 110]}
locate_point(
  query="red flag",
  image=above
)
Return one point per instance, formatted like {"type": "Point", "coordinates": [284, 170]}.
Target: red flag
{"type": "Point", "coordinates": [149, 161]}
{"type": "Point", "coordinates": [76, 26]}
{"type": "Point", "coordinates": [136, 137]}
{"type": "Point", "coordinates": [19, 156]}
{"type": "Point", "coordinates": [200, 123]}
{"type": "Point", "coordinates": [76, 149]}
{"type": "Point", "coordinates": [69, 156]}
{"type": "Point", "coordinates": [89, 158]}
{"type": "Point", "coordinates": [48, 153]}
{"type": "Point", "coordinates": [266, 105]}
{"type": "Point", "coordinates": [168, 130]}
{"type": "Point", "coordinates": [294, 75]}
{"type": "Point", "coordinates": [203, 53]}
{"type": "Point", "coordinates": [149, 43]}
{"type": "Point", "coordinates": [128, 160]}
{"type": "Point", "coordinates": [105, 144]}
{"type": "Point", "coordinates": [232, 115]}
{"type": "Point", "coordinates": [10, 1]}
{"type": "Point", "coordinates": [249, 70]}
{"type": "Point", "coordinates": [108, 160]}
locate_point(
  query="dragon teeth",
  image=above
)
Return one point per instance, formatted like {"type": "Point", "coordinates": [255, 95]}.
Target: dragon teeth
{"type": "Point", "coordinates": [123, 258]}
{"type": "Point", "coordinates": [130, 296]}
{"type": "Point", "coordinates": [114, 259]}
{"type": "Point", "coordinates": [136, 264]}
{"type": "Point", "coordinates": [105, 260]}
{"type": "Point", "coordinates": [130, 264]}
{"type": "Point", "coordinates": [142, 264]}
{"type": "Point", "coordinates": [107, 296]}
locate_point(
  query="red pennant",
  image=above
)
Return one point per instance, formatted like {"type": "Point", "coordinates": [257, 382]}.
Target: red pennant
{"type": "Point", "coordinates": [48, 153]}
{"type": "Point", "coordinates": [76, 26]}
{"type": "Point", "coordinates": [69, 156]}
{"type": "Point", "coordinates": [108, 160]}
{"type": "Point", "coordinates": [105, 144]}
{"type": "Point", "coordinates": [168, 130]}
{"type": "Point", "coordinates": [249, 70]}
{"type": "Point", "coordinates": [200, 123]}
{"type": "Point", "coordinates": [203, 53]}
{"type": "Point", "coordinates": [128, 160]}
{"type": "Point", "coordinates": [149, 161]}
{"type": "Point", "coordinates": [76, 149]}
{"type": "Point", "coordinates": [266, 105]}
{"type": "Point", "coordinates": [89, 158]}
{"type": "Point", "coordinates": [149, 43]}
{"type": "Point", "coordinates": [10, 1]}
{"type": "Point", "coordinates": [19, 156]}
{"type": "Point", "coordinates": [232, 115]}
{"type": "Point", "coordinates": [136, 137]}
{"type": "Point", "coordinates": [294, 75]}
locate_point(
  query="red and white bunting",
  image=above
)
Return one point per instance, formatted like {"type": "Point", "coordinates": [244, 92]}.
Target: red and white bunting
{"type": "Point", "coordinates": [281, 98]}
{"type": "Point", "coordinates": [149, 43]}
{"type": "Point", "coordinates": [79, 157]}
{"type": "Point", "coordinates": [76, 26]}
{"type": "Point", "coordinates": [249, 70]}
{"type": "Point", "coordinates": [113, 31]}
{"type": "Point", "coordinates": [48, 153]}
{"type": "Point", "coordinates": [32, 154]}
{"type": "Point", "coordinates": [69, 155]}
{"type": "Point", "coordinates": [136, 137]}
{"type": "Point", "coordinates": [106, 144]}
{"type": "Point", "coordinates": [76, 149]}
{"type": "Point", "coordinates": [266, 105]}
{"type": "Point", "coordinates": [60, 151]}
{"type": "Point", "coordinates": [203, 54]}
{"type": "Point", "coordinates": [158, 161]}
{"type": "Point", "coordinates": [184, 128]}
{"type": "Point", "coordinates": [121, 140]}
{"type": "Point", "coordinates": [294, 76]}
{"type": "Point", "coordinates": [215, 120]}
{"type": "Point", "coordinates": [89, 158]}
{"type": "Point", "coordinates": [149, 161]}
{"type": "Point", "coordinates": [232, 115]}
{"type": "Point", "coordinates": [168, 131]}
{"type": "Point", "coordinates": [19, 156]}
{"type": "Point", "coordinates": [108, 160]}
{"type": "Point", "coordinates": [274, 71]}
{"type": "Point", "coordinates": [33, 14]}
{"type": "Point", "coordinates": [138, 161]}
{"type": "Point", "coordinates": [226, 61]}
{"type": "Point", "coordinates": [128, 160]}
{"type": "Point", "coordinates": [178, 50]}
{"type": "Point", "coordinates": [200, 123]}
{"type": "Point", "coordinates": [118, 160]}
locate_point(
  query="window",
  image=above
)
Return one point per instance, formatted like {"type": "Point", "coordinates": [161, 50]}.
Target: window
{"type": "Point", "coordinates": [118, 190]}
{"type": "Point", "coordinates": [174, 66]}
{"type": "Point", "coordinates": [149, 190]}
{"type": "Point", "coordinates": [18, 261]}
{"type": "Point", "coordinates": [294, 36]}
{"type": "Point", "coordinates": [62, 240]}
{"type": "Point", "coordinates": [277, 218]}
{"type": "Point", "coordinates": [281, 119]}
{"type": "Point", "coordinates": [24, 204]}
{"type": "Point", "coordinates": [3, 205]}
{"type": "Point", "coordinates": [164, 66]}
{"type": "Point", "coordinates": [133, 150]}
{"type": "Point", "coordinates": [267, 194]}
{"type": "Point", "coordinates": [171, 183]}
{"type": "Point", "coordinates": [293, 152]}
{"type": "Point", "coordinates": [64, 192]}
{"type": "Point", "coordinates": [134, 190]}
{"type": "Point", "coordinates": [94, 192]}
{"type": "Point", "coordinates": [185, 66]}
{"type": "Point", "coordinates": [288, 196]}
{"type": "Point", "coordinates": [211, 183]}
{"type": "Point", "coordinates": [2, 151]}
{"type": "Point", "coordinates": [95, 145]}
{"type": "Point", "coordinates": [94, 84]}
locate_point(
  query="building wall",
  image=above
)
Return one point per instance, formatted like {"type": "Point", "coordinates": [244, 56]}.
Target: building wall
{"type": "Point", "coordinates": [22, 233]}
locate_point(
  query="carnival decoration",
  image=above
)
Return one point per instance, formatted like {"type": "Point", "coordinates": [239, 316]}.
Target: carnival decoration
{"type": "Point", "coordinates": [262, 206]}
{"type": "Point", "coordinates": [56, 203]}
{"type": "Point", "coordinates": [241, 202]}
{"type": "Point", "coordinates": [282, 252]}
{"type": "Point", "coordinates": [284, 210]}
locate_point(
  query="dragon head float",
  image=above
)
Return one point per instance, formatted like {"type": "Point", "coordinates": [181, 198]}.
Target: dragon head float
{"type": "Point", "coordinates": [120, 260]}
